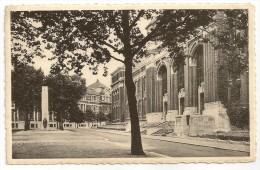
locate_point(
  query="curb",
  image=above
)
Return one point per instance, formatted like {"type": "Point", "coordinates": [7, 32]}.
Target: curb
{"type": "Point", "coordinates": [231, 145]}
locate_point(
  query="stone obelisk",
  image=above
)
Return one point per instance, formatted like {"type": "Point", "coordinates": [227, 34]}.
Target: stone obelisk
{"type": "Point", "coordinates": [45, 105]}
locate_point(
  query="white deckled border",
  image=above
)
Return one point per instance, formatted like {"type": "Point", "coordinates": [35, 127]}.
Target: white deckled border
{"type": "Point", "coordinates": [252, 86]}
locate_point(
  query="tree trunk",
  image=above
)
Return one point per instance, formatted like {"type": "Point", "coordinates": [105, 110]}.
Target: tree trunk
{"type": "Point", "coordinates": [136, 141]}
{"type": "Point", "coordinates": [59, 119]}
{"type": "Point", "coordinates": [26, 122]}
{"type": "Point", "coordinates": [61, 125]}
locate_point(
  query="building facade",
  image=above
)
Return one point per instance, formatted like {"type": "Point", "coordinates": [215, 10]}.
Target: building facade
{"type": "Point", "coordinates": [97, 99]}
{"type": "Point", "coordinates": [189, 97]}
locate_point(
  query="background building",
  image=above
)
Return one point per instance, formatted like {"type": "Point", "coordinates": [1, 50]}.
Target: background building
{"type": "Point", "coordinates": [97, 99]}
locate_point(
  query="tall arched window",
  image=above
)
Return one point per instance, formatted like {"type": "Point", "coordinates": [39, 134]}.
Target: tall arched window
{"type": "Point", "coordinates": [200, 62]}
{"type": "Point", "coordinates": [181, 85]}
{"type": "Point", "coordinates": [198, 55]}
{"type": "Point", "coordinates": [136, 88]}
{"type": "Point", "coordinates": [163, 75]}
{"type": "Point", "coordinates": [144, 85]}
{"type": "Point", "coordinates": [144, 108]}
{"type": "Point", "coordinates": [139, 85]}
{"type": "Point", "coordinates": [139, 108]}
{"type": "Point", "coordinates": [181, 77]}
{"type": "Point", "coordinates": [162, 87]}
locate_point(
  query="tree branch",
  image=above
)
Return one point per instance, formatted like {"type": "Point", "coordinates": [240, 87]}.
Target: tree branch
{"type": "Point", "coordinates": [117, 59]}
{"type": "Point", "coordinates": [141, 43]}
{"type": "Point", "coordinates": [126, 30]}
{"type": "Point", "coordinates": [109, 45]}
{"type": "Point", "coordinates": [94, 42]}
{"type": "Point", "coordinates": [117, 29]}
{"type": "Point", "coordinates": [102, 42]}
{"type": "Point", "coordinates": [137, 18]}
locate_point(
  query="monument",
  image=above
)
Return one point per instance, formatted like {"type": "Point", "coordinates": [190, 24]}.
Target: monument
{"type": "Point", "coordinates": [45, 105]}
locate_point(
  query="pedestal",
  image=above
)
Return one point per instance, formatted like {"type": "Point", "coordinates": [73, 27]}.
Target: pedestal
{"type": "Point", "coordinates": [217, 110]}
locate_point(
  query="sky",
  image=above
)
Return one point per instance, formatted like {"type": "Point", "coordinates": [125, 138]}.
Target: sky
{"type": "Point", "coordinates": [45, 65]}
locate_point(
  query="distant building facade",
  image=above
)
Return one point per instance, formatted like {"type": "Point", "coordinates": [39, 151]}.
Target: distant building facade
{"type": "Point", "coordinates": [97, 99]}
{"type": "Point", "coordinates": [189, 97]}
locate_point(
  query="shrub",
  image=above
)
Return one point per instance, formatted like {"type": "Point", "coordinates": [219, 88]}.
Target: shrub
{"type": "Point", "coordinates": [239, 116]}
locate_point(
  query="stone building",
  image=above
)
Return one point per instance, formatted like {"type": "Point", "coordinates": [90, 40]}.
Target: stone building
{"type": "Point", "coordinates": [97, 99]}
{"type": "Point", "coordinates": [189, 97]}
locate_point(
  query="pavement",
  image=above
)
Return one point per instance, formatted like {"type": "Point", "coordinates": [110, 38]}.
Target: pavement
{"type": "Point", "coordinates": [206, 142]}
{"type": "Point", "coordinates": [95, 143]}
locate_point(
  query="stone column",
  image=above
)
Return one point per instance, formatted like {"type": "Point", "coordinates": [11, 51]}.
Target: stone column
{"type": "Point", "coordinates": [186, 83]}
{"type": "Point", "coordinates": [168, 66]}
{"type": "Point", "coordinates": [34, 118]}
{"type": "Point", "coordinates": [172, 92]}
{"type": "Point", "coordinates": [190, 86]}
{"type": "Point", "coordinates": [37, 118]}
{"type": "Point", "coordinates": [18, 115]}
{"type": "Point", "coordinates": [213, 107]}
{"type": "Point", "coordinates": [151, 88]}
{"type": "Point", "coordinates": [210, 72]}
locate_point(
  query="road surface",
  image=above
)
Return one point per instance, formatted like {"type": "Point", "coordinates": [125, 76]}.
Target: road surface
{"type": "Point", "coordinates": [89, 143]}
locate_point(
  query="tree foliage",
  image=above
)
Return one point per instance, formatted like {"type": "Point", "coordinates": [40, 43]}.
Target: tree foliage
{"type": "Point", "coordinates": [101, 117]}
{"type": "Point", "coordinates": [76, 115]}
{"type": "Point", "coordinates": [231, 39]}
{"type": "Point", "coordinates": [64, 93]}
{"type": "Point", "coordinates": [26, 90]}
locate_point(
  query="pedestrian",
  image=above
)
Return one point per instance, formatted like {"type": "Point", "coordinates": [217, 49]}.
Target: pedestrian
{"type": "Point", "coordinates": [44, 123]}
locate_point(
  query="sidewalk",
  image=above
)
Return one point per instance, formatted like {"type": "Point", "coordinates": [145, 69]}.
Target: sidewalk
{"type": "Point", "coordinates": [213, 143]}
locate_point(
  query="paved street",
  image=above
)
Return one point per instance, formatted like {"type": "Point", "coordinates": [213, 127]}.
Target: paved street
{"type": "Point", "coordinates": [89, 143]}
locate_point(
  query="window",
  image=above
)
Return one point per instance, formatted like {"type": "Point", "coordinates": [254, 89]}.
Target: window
{"type": "Point", "coordinates": [144, 85]}
{"type": "Point", "coordinates": [139, 108]}
{"type": "Point", "coordinates": [200, 69]}
{"type": "Point", "coordinates": [81, 106]}
{"type": "Point", "coordinates": [144, 107]}
{"type": "Point", "coordinates": [181, 77]}
{"type": "Point", "coordinates": [136, 88]}
{"type": "Point", "coordinates": [139, 87]}
{"type": "Point", "coordinates": [163, 74]}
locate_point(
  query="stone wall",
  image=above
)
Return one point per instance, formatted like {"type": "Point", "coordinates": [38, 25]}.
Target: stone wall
{"type": "Point", "coordinates": [171, 114]}
{"type": "Point", "coordinates": [128, 124]}
{"type": "Point", "coordinates": [194, 125]}
{"type": "Point", "coordinates": [217, 110]}
{"type": "Point", "coordinates": [154, 117]}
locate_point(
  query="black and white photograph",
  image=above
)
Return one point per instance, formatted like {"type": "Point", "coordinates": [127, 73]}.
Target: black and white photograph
{"type": "Point", "coordinates": [130, 84]}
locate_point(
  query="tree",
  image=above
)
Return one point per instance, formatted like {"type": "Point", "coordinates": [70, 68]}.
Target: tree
{"type": "Point", "coordinates": [77, 38]}
{"type": "Point", "coordinates": [76, 115]}
{"type": "Point", "coordinates": [64, 93]}
{"type": "Point", "coordinates": [90, 116]}
{"type": "Point", "coordinates": [232, 39]}
{"type": "Point", "coordinates": [101, 117]}
{"type": "Point", "coordinates": [109, 117]}
{"type": "Point", "coordinates": [26, 90]}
